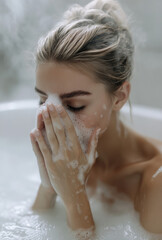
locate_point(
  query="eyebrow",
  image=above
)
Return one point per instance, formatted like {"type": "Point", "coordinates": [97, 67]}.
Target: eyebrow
{"type": "Point", "coordinates": [67, 95]}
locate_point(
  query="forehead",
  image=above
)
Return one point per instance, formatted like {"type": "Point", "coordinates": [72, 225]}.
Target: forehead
{"type": "Point", "coordinates": [60, 77]}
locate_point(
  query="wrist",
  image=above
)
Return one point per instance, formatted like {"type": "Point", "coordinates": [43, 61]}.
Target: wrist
{"type": "Point", "coordinates": [79, 213]}
{"type": "Point", "coordinates": [47, 190]}
{"type": "Point", "coordinates": [45, 199]}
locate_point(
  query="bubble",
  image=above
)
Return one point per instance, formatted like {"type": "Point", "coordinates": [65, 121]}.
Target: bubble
{"type": "Point", "coordinates": [79, 208]}
{"type": "Point", "coordinates": [82, 132]}
{"type": "Point", "coordinates": [73, 164]}
{"type": "Point", "coordinates": [157, 172]}
{"type": "Point", "coordinates": [104, 106]}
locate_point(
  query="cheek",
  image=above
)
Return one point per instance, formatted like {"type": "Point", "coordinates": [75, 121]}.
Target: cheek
{"type": "Point", "coordinates": [99, 117]}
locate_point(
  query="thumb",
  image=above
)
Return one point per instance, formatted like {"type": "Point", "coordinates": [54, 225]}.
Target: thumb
{"type": "Point", "coordinates": [91, 150]}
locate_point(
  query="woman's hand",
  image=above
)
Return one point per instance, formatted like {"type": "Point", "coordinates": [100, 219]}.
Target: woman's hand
{"type": "Point", "coordinates": [66, 167]}
{"type": "Point", "coordinates": [45, 181]}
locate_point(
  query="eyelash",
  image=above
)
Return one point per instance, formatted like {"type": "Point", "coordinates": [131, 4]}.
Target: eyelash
{"type": "Point", "coordinates": [69, 107]}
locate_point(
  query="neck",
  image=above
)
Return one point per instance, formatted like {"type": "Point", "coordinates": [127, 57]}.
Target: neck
{"type": "Point", "coordinates": [111, 144]}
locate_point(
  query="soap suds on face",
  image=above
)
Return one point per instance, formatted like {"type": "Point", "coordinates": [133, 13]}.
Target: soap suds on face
{"type": "Point", "coordinates": [53, 98]}
{"type": "Point", "coordinates": [101, 115]}
{"type": "Point", "coordinates": [82, 132]}
{"type": "Point", "coordinates": [157, 172]}
{"type": "Point", "coordinates": [83, 135]}
{"type": "Point", "coordinates": [104, 106]}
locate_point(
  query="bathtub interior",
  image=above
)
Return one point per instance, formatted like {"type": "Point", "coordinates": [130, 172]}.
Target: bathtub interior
{"type": "Point", "coordinates": [20, 181]}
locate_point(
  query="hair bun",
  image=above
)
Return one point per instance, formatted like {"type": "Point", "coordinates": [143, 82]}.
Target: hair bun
{"type": "Point", "coordinates": [99, 11]}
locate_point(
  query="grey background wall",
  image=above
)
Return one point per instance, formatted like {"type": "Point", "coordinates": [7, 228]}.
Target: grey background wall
{"type": "Point", "coordinates": [23, 22]}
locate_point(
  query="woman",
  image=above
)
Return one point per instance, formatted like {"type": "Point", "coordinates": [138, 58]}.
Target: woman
{"type": "Point", "coordinates": [87, 60]}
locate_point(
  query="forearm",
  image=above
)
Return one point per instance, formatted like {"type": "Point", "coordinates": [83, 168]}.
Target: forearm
{"type": "Point", "coordinates": [79, 215]}
{"type": "Point", "coordinates": [45, 199]}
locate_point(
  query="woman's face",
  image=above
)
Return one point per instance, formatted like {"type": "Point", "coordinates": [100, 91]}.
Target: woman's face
{"type": "Point", "coordinates": [94, 101]}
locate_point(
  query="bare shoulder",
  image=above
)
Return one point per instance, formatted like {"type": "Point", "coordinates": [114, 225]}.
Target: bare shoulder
{"type": "Point", "coordinates": [149, 196]}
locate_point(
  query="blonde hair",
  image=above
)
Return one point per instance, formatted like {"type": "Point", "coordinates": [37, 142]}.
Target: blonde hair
{"type": "Point", "coordinates": [94, 38]}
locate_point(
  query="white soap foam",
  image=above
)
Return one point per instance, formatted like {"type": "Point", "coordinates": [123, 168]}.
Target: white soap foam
{"type": "Point", "coordinates": [82, 234]}
{"type": "Point", "coordinates": [79, 191]}
{"type": "Point", "coordinates": [97, 154]}
{"type": "Point", "coordinates": [81, 174]}
{"type": "Point", "coordinates": [104, 106]}
{"type": "Point", "coordinates": [79, 208]}
{"type": "Point", "coordinates": [157, 172]}
{"type": "Point", "coordinates": [73, 163]}
{"type": "Point", "coordinates": [82, 132]}
{"type": "Point", "coordinates": [113, 221]}
{"type": "Point", "coordinates": [58, 157]}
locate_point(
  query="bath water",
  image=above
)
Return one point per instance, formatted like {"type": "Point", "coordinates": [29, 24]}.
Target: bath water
{"type": "Point", "coordinates": [19, 182]}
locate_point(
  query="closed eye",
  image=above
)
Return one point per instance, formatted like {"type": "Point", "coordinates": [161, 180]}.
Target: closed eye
{"type": "Point", "coordinates": [73, 109]}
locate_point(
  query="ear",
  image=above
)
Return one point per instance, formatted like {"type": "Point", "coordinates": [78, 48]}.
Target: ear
{"type": "Point", "coordinates": [121, 96]}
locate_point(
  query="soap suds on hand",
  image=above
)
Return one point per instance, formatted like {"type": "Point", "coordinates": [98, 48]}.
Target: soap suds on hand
{"type": "Point", "coordinates": [82, 132]}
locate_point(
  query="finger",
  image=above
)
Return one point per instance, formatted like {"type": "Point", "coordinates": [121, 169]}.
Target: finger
{"type": "Point", "coordinates": [57, 125]}
{"type": "Point", "coordinates": [43, 147]}
{"type": "Point", "coordinates": [69, 128]}
{"type": "Point", "coordinates": [40, 123]}
{"type": "Point", "coordinates": [41, 163]}
{"type": "Point", "coordinates": [52, 139]}
{"type": "Point", "coordinates": [35, 145]}
{"type": "Point", "coordinates": [38, 154]}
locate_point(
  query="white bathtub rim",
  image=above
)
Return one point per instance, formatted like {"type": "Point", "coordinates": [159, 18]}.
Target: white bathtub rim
{"type": "Point", "coordinates": [138, 110]}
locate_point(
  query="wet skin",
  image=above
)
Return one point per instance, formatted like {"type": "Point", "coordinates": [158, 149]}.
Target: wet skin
{"type": "Point", "coordinates": [127, 160]}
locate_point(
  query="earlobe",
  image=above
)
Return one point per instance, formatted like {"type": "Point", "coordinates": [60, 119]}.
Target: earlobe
{"type": "Point", "coordinates": [121, 96]}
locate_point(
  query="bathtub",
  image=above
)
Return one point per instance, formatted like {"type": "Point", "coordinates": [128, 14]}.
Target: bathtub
{"type": "Point", "coordinates": [19, 181]}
